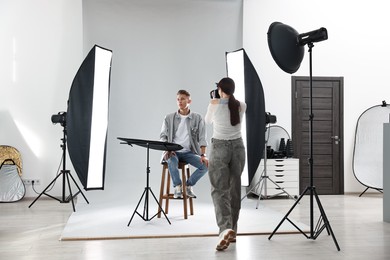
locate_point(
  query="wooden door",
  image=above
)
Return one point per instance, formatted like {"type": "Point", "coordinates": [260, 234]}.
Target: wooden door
{"type": "Point", "coordinates": [328, 156]}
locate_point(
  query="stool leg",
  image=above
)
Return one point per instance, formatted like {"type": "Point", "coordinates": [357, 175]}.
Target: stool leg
{"type": "Point", "coordinates": [184, 185]}
{"type": "Point", "coordinates": [168, 194]}
{"type": "Point", "coordinates": [190, 199]}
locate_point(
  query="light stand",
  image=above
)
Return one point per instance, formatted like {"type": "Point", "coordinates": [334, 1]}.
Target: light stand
{"type": "Point", "coordinates": [323, 221]}
{"type": "Point", "coordinates": [65, 178]}
{"type": "Point", "coordinates": [262, 182]}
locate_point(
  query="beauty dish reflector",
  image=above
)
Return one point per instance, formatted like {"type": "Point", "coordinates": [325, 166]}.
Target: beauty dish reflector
{"type": "Point", "coordinates": [284, 47]}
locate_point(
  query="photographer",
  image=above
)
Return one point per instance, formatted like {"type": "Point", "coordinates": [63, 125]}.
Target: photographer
{"type": "Point", "coordinates": [227, 159]}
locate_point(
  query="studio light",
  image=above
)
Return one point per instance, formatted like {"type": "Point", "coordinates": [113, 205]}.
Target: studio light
{"type": "Point", "coordinates": [59, 118]}
{"type": "Point", "coordinates": [313, 36]}
{"type": "Point", "coordinates": [85, 126]}
{"type": "Point", "coordinates": [287, 49]}
{"type": "Point", "coordinates": [270, 119]}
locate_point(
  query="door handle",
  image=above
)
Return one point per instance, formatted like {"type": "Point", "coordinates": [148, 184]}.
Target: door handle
{"type": "Point", "coordinates": [336, 139]}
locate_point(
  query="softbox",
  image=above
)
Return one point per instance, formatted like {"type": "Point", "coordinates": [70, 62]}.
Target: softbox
{"type": "Point", "coordinates": [87, 117]}
{"type": "Point", "coordinates": [367, 162]}
{"type": "Point", "coordinates": [250, 89]}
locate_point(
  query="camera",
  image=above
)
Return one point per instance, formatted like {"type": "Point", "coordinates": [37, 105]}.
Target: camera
{"type": "Point", "coordinates": [270, 119]}
{"type": "Point", "coordinates": [214, 94]}
{"type": "Point", "coordinates": [59, 118]}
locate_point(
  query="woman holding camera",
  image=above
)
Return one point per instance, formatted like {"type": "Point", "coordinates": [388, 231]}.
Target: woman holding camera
{"type": "Point", "coordinates": [227, 159]}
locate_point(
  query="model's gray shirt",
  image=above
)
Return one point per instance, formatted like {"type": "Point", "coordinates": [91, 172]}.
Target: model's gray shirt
{"type": "Point", "coordinates": [196, 129]}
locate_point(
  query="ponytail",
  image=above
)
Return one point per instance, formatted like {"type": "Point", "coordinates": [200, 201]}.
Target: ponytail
{"type": "Point", "coordinates": [234, 107]}
{"type": "Point", "coordinates": [227, 85]}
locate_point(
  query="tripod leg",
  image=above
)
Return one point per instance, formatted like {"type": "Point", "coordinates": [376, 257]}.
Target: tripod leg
{"type": "Point", "coordinates": [363, 192]}
{"type": "Point", "coordinates": [159, 206]}
{"type": "Point", "coordinates": [277, 185]}
{"type": "Point", "coordinates": [326, 221]}
{"type": "Point", "coordinates": [254, 188]}
{"type": "Point", "coordinates": [70, 190]}
{"type": "Point", "coordinates": [145, 213]}
{"type": "Point", "coordinates": [288, 213]}
{"type": "Point", "coordinates": [261, 191]}
{"type": "Point", "coordinates": [43, 192]}
{"type": "Point", "coordinates": [74, 181]}
{"type": "Point", "coordinates": [135, 211]}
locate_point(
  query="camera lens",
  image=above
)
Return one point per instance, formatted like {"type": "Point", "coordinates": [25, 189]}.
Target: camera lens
{"type": "Point", "coordinates": [214, 94]}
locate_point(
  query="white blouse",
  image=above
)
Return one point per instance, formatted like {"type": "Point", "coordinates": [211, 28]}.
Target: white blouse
{"type": "Point", "coordinates": [219, 115]}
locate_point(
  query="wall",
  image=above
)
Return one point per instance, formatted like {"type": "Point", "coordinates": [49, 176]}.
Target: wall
{"type": "Point", "coordinates": [159, 48]}
{"type": "Point", "coordinates": [356, 50]}
{"type": "Point", "coordinates": [40, 50]}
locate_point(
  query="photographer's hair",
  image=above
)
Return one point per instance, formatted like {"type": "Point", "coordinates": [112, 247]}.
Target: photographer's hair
{"type": "Point", "coordinates": [227, 85]}
{"type": "Point", "coordinates": [184, 92]}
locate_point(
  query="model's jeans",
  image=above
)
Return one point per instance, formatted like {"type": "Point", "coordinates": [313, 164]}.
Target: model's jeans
{"type": "Point", "coordinates": [227, 160]}
{"type": "Point", "coordinates": [188, 157]}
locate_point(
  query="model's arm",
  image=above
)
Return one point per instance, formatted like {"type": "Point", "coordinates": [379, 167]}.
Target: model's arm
{"type": "Point", "coordinates": [164, 131]}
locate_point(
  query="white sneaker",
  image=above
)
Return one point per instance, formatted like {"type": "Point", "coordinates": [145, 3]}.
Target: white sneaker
{"type": "Point", "coordinates": [177, 192]}
{"type": "Point", "coordinates": [190, 192]}
{"type": "Point", "coordinates": [225, 238]}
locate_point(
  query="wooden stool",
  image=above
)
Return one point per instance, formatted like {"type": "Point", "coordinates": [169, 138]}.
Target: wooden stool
{"type": "Point", "coordinates": [165, 189]}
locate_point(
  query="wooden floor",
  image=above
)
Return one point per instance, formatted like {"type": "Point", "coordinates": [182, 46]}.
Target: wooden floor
{"type": "Point", "coordinates": [357, 222]}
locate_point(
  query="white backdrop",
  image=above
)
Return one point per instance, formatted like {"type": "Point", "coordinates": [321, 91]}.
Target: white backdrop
{"type": "Point", "coordinates": [158, 48]}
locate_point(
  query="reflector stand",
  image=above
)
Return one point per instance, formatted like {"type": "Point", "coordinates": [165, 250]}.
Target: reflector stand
{"type": "Point", "coordinates": [282, 33]}
{"type": "Point", "coordinates": [156, 145]}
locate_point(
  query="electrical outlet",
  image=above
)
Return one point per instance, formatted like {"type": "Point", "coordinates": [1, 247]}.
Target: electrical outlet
{"type": "Point", "coordinates": [30, 181]}
{"type": "Point", "coordinates": [26, 182]}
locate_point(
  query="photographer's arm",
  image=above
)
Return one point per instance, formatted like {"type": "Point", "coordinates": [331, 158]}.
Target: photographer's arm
{"type": "Point", "coordinates": [211, 110]}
